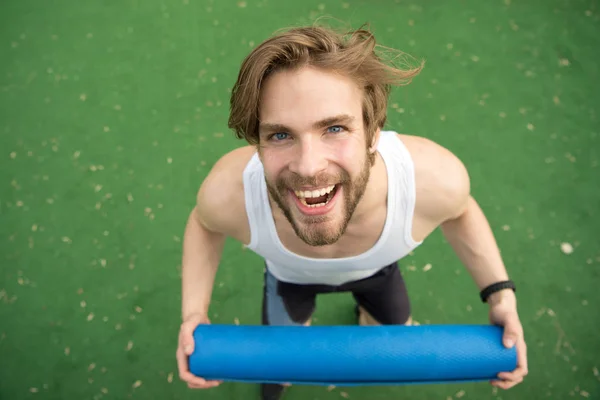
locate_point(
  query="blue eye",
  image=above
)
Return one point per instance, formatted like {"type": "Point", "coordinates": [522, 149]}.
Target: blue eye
{"type": "Point", "coordinates": [280, 136]}
{"type": "Point", "coordinates": [335, 129]}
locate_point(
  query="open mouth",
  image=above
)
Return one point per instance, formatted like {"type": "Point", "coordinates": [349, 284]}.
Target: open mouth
{"type": "Point", "coordinates": [316, 198]}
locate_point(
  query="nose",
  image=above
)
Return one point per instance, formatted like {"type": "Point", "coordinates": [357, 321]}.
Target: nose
{"type": "Point", "coordinates": [309, 158]}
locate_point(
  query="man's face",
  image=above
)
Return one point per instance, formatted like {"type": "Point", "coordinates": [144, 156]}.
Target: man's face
{"type": "Point", "coordinates": [313, 149]}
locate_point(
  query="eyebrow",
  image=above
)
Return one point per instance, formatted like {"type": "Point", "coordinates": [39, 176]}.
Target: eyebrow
{"type": "Point", "coordinates": [344, 119]}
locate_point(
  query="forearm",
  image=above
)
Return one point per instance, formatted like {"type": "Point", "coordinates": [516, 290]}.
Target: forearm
{"type": "Point", "coordinates": [201, 256]}
{"type": "Point", "coordinates": [471, 237]}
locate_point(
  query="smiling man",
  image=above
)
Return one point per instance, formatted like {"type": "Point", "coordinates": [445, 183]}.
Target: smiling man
{"type": "Point", "coordinates": [329, 198]}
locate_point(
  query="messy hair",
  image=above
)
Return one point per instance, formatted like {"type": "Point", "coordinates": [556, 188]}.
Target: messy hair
{"type": "Point", "coordinates": [354, 54]}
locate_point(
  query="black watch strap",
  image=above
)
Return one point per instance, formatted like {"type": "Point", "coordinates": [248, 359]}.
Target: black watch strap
{"type": "Point", "coordinates": [496, 287]}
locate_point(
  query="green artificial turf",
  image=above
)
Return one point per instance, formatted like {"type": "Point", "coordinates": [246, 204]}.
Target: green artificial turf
{"type": "Point", "coordinates": [112, 113]}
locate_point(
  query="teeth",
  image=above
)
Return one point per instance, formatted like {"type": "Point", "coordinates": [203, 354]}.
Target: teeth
{"type": "Point", "coordinates": [313, 193]}
{"type": "Point", "coordinates": [316, 193]}
{"type": "Point", "coordinates": [314, 205]}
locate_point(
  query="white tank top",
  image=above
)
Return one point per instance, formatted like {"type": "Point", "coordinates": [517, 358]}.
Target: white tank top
{"type": "Point", "coordinates": [394, 243]}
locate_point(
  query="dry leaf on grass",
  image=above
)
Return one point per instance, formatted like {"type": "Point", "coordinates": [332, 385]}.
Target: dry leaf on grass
{"type": "Point", "coordinates": [566, 248]}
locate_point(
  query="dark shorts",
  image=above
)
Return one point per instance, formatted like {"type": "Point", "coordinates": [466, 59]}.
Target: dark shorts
{"type": "Point", "coordinates": [383, 295]}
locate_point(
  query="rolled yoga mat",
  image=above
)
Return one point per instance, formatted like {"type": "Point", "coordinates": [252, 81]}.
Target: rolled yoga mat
{"type": "Point", "coordinates": [350, 355]}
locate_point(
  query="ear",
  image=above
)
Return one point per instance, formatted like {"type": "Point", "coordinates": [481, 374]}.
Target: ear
{"type": "Point", "coordinates": [375, 141]}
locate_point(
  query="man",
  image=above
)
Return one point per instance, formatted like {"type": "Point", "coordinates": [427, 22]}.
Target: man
{"type": "Point", "coordinates": [330, 199]}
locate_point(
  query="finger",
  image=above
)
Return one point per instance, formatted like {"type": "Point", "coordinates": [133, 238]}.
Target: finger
{"type": "Point", "coordinates": [511, 333]}
{"type": "Point", "coordinates": [522, 357]}
{"type": "Point", "coordinates": [515, 376]}
{"type": "Point", "coordinates": [186, 338]}
{"type": "Point", "coordinates": [187, 332]}
{"type": "Point", "coordinates": [188, 348]}
{"type": "Point", "coordinates": [207, 385]}
{"type": "Point", "coordinates": [503, 384]}
{"type": "Point", "coordinates": [195, 385]}
{"type": "Point", "coordinates": [213, 383]}
{"type": "Point", "coordinates": [506, 380]}
{"type": "Point", "coordinates": [191, 379]}
{"type": "Point", "coordinates": [210, 384]}
{"type": "Point", "coordinates": [184, 373]}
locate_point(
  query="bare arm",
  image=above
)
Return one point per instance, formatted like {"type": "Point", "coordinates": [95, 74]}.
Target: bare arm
{"type": "Point", "coordinates": [444, 200]}
{"type": "Point", "coordinates": [201, 256]}
{"type": "Point", "coordinates": [472, 239]}
{"type": "Point", "coordinates": [219, 213]}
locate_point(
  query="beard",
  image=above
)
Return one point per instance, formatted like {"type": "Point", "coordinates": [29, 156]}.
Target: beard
{"type": "Point", "coordinates": [321, 230]}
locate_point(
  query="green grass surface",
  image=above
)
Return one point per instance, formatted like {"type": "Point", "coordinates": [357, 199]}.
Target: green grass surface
{"type": "Point", "coordinates": [111, 114]}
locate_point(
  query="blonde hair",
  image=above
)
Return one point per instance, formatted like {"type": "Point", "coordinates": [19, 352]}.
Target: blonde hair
{"type": "Point", "coordinates": [353, 54]}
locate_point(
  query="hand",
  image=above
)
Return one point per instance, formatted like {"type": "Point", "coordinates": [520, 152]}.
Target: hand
{"type": "Point", "coordinates": [503, 312]}
{"type": "Point", "coordinates": [185, 347]}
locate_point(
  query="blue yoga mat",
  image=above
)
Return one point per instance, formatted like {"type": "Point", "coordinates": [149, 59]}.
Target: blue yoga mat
{"type": "Point", "coordinates": [350, 355]}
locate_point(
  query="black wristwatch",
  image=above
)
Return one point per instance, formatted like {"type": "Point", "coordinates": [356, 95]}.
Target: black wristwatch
{"type": "Point", "coordinates": [496, 287]}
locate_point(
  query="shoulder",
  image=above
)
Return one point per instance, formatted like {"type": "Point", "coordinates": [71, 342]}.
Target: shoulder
{"type": "Point", "coordinates": [441, 179]}
{"type": "Point", "coordinates": [220, 204]}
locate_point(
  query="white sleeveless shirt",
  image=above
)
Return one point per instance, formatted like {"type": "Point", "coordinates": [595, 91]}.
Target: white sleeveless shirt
{"type": "Point", "coordinates": [395, 242]}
